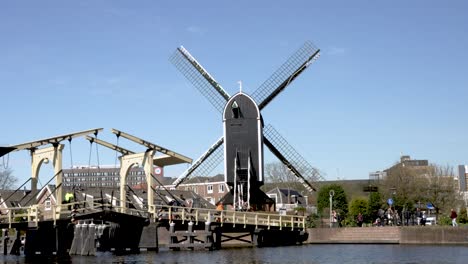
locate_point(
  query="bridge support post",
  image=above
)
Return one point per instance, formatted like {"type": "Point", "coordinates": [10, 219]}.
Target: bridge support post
{"type": "Point", "coordinates": [157, 239]}
{"type": "Point", "coordinates": [16, 246]}
{"type": "Point", "coordinates": [76, 243]}
{"type": "Point", "coordinates": [126, 162]}
{"type": "Point", "coordinates": [257, 237]}
{"type": "Point", "coordinates": [5, 240]}
{"type": "Point", "coordinates": [217, 238]}
{"type": "Point", "coordinates": [209, 237]}
{"type": "Point", "coordinates": [40, 156]}
{"type": "Point", "coordinates": [191, 237]}
{"type": "Point", "coordinates": [173, 237]}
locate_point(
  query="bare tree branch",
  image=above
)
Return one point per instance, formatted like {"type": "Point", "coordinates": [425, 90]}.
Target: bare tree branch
{"type": "Point", "coordinates": [7, 180]}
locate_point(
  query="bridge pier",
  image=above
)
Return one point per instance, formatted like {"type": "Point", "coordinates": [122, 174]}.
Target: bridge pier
{"type": "Point", "coordinates": [48, 239]}
{"type": "Point", "coordinates": [257, 237]}
{"type": "Point", "coordinates": [191, 239]}
{"type": "Point", "coordinates": [10, 246]}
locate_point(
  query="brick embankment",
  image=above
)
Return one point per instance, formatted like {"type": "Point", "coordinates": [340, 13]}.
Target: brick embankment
{"type": "Point", "coordinates": [390, 235]}
{"type": "Point", "coordinates": [434, 235]}
{"type": "Point", "coordinates": [355, 235]}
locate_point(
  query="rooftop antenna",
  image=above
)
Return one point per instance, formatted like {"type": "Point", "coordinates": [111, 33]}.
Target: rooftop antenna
{"type": "Point", "coordinates": [240, 86]}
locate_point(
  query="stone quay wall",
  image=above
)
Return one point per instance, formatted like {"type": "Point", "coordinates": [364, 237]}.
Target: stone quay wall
{"type": "Point", "coordinates": [390, 235]}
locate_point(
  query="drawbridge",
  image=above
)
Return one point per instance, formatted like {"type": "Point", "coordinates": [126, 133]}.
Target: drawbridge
{"type": "Point", "coordinates": [84, 226]}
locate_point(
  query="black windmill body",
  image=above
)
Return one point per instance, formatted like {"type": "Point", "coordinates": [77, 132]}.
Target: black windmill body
{"type": "Point", "coordinates": [244, 132]}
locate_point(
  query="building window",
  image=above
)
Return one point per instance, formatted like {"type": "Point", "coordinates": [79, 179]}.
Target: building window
{"type": "Point", "coordinates": [47, 205]}
{"type": "Point", "coordinates": [221, 188]}
{"type": "Point", "coordinates": [209, 188]}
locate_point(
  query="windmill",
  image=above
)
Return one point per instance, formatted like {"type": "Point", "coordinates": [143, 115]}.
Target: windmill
{"type": "Point", "coordinates": [244, 131]}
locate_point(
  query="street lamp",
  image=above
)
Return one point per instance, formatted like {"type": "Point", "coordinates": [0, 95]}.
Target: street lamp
{"type": "Point", "coordinates": [331, 193]}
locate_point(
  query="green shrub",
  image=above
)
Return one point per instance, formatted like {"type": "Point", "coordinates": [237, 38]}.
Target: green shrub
{"type": "Point", "coordinates": [313, 221]}
{"type": "Point", "coordinates": [444, 220]}
{"type": "Point", "coordinates": [462, 217]}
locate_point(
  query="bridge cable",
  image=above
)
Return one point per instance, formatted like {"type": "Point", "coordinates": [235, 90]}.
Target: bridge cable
{"type": "Point", "coordinates": [53, 177]}
{"type": "Point", "coordinates": [160, 195]}
{"type": "Point", "coordinates": [90, 155]}
{"type": "Point", "coordinates": [4, 201]}
{"type": "Point", "coordinates": [160, 184]}
{"type": "Point", "coordinates": [112, 199]}
{"type": "Point", "coordinates": [52, 192]}
{"type": "Point", "coordinates": [71, 163]}
{"type": "Point", "coordinates": [102, 201]}
{"type": "Point", "coordinates": [97, 151]}
{"type": "Point", "coordinates": [116, 152]}
{"type": "Point", "coordinates": [5, 165]}
{"type": "Point", "coordinates": [116, 157]}
{"type": "Point", "coordinates": [130, 188]}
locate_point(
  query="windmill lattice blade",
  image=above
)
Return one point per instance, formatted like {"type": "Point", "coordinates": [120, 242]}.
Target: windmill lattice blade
{"type": "Point", "coordinates": [200, 78]}
{"type": "Point", "coordinates": [282, 77]}
{"type": "Point", "coordinates": [291, 158]}
{"type": "Point", "coordinates": [205, 164]}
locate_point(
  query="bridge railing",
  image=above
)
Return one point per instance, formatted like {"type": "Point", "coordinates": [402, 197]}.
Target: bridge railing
{"type": "Point", "coordinates": [35, 213]}
{"type": "Point", "coordinates": [40, 212]}
{"type": "Point", "coordinates": [18, 214]}
{"type": "Point", "coordinates": [258, 219]}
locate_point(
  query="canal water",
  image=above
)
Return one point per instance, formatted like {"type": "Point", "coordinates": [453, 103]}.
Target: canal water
{"type": "Point", "coordinates": [331, 253]}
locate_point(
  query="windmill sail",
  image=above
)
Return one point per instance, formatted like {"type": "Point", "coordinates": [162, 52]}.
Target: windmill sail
{"type": "Point", "coordinates": [291, 158]}
{"type": "Point", "coordinates": [282, 77]}
{"type": "Point", "coordinates": [200, 78]}
{"type": "Point", "coordinates": [205, 164]}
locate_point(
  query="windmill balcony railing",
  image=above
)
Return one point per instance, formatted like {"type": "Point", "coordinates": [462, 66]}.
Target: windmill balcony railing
{"type": "Point", "coordinates": [257, 219]}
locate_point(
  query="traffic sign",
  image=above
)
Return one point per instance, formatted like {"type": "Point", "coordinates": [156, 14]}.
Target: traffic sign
{"type": "Point", "coordinates": [390, 201]}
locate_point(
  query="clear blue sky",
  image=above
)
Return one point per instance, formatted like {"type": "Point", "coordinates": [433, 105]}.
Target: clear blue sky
{"type": "Point", "coordinates": [392, 77]}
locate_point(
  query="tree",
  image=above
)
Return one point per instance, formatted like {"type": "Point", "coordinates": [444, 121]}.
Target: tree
{"type": "Point", "coordinates": [402, 185]}
{"type": "Point", "coordinates": [374, 204]}
{"type": "Point", "coordinates": [7, 180]}
{"type": "Point", "coordinates": [462, 216]}
{"type": "Point", "coordinates": [340, 202]}
{"type": "Point", "coordinates": [418, 185]}
{"type": "Point", "coordinates": [439, 188]}
{"type": "Point", "coordinates": [278, 174]}
{"type": "Point", "coordinates": [356, 206]}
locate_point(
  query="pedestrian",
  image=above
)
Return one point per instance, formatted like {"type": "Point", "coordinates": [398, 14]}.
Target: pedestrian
{"type": "Point", "coordinates": [389, 215]}
{"type": "Point", "coordinates": [334, 218]}
{"type": "Point", "coordinates": [407, 215]}
{"type": "Point", "coordinates": [453, 216]}
{"type": "Point", "coordinates": [381, 215]}
{"type": "Point", "coordinates": [423, 218]}
{"type": "Point", "coordinates": [360, 219]}
{"type": "Point", "coordinates": [418, 215]}
{"type": "Point", "coordinates": [219, 209]}
{"type": "Point", "coordinates": [338, 219]}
